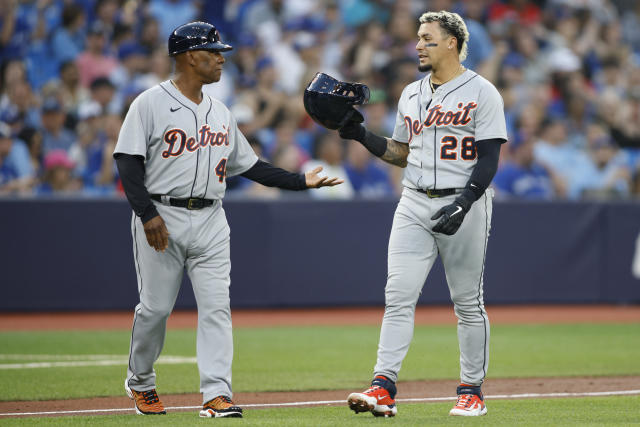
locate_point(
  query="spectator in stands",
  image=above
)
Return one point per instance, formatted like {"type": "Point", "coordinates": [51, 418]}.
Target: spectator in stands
{"type": "Point", "coordinates": [58, 178]}
{"type": "Point", "coordinates": [520, 176]}
{"type": "Point", "coordinates": [72, 93]}
{"type": "Point", "coordinates": [133, 63]}
{"type": "Point", "coordinates": [68, 41]}
{"type": "Point", "coordinates": [561, 159]}
{"type": "Point", "coordinates": [103, 94]}
{"type": "Point", "coordinates": [104, 179]}
{"type": "Point", "coordinates": [16, 172]}
{"type": "Point", "coordinates": [55, 136]}
{"type": "Point", "coordinates": [150, 38]}
{"type": "Point", "coordinates": [285, 135]}
{"type": "Point", "coordinates": [607, 175]}
{"type": "Point", "coordinates": [22, 23]}
{"type": "Point", "coordinates": [575, 61]}
{"type": "Point", "coordinates": [269, 101]}
{"type": "Point", "coordinates": [106, 15]}
{"type": "Point", "coordinates": [18, 104]}
{"type": "Point", "coordinates": [329, 153]}
{"type": "Point", "coordinates": [86, 152]}
{"type": "Point", "coordinates": [168, 12]}
{"type": "Point", "coordinates": [239, 185]}
{"type": "Point", "coordinates": [159, 69]}
{"type": "Point", "coordinates": [480, 45]}
{"type": "Point", "coordinates": [32, 137]}
{"type": "Point", "coordinates": [368, 177]}
{"type": "Point", "coordinates": [95, 61]}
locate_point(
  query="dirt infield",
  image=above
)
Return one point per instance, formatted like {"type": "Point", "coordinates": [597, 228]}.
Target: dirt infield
{"type": "Point", "coordinates": [406, 390]}
{"type": "Point", "coordinates": [425, 315]}
{"type": "Point", "coordinates": [336, 316]}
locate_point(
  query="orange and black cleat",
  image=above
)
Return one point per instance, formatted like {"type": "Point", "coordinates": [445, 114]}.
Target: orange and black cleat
{"type": "Point", "coordinates": [221, 406]}
{"type": "Point", "coordinates": [147, 402]}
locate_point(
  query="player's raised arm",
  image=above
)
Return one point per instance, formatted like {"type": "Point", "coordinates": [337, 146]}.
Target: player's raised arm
{"type": "Point", "coordinates": [387, 149]}
{"type": "Point", "coordinates": [330, 102]}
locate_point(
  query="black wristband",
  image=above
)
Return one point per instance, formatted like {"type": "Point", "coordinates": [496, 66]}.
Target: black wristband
{"type": "Point", "coordinates": [466, 199]}
{"type": "Point", "coordinates": [377, 145]}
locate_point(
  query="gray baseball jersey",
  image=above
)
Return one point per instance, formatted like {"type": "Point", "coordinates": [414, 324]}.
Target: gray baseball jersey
{"type": "Point", "coordinates": [188, 149]}
{"type": "Point", "coordinates": [441, 129]}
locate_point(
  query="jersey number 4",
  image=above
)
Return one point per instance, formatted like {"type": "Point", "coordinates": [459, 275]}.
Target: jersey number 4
{"type": "Point", "coordinates": [221, 170]}
{"type": "Point", "coordinates": [449, 148]}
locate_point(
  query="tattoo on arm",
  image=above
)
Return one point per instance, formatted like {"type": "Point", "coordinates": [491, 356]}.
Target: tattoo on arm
{"type": "Point", "coordinates": [396, 153]}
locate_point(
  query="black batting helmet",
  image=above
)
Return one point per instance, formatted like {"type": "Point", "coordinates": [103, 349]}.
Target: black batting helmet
{"type": "Point", "coordinates": [196, 36]}
{"type": "Point", "coordinates": [330, 102]}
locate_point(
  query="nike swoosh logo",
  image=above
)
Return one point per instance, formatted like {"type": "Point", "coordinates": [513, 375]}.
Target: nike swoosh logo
{"type": "Point", "coordinates": [457, 211]}
{"type": "Point", "coordinates": [173, 110]}
{"type": "Point", "coordinates": [380, 398]}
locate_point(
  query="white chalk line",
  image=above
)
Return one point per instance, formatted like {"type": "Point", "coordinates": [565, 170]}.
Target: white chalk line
{"type": "Point", "coordinates": [73, 361]}
{"type": "Point", "coordinates": [333, 402]}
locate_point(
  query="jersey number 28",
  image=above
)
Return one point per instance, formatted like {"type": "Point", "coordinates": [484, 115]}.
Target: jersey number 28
{"type": "Point", "coordinates": [449, 148]}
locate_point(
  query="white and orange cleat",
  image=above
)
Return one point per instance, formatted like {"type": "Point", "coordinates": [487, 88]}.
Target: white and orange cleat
{"type": "Point", "coordinates": [470, 402]}
{"type": "Point", "coordinates": [379, 399]}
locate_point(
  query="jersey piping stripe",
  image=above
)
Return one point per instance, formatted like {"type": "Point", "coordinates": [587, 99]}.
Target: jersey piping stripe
{"type": "Point", "coordinates": [133, 328]}
{"type": "Point", "coordinates": [139, 273]}
{"type": "Point", "coordinates": [453, 90]}
{"type": "Point", "coordinates": [195, 117]}
{"type": "Point", "coordinates": [420, 118]}
{"type": "Point", "coordinates": [435, 139]}
{"type": "Point", "coordinates": [484, 256]}
{"type": "Point", "coordinates": [206, 120]}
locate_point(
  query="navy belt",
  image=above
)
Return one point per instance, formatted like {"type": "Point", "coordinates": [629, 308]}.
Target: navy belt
{"type": "Point", "coordinates": [432, 194]}
{"type": "Point", "coordinates": [191, 203]}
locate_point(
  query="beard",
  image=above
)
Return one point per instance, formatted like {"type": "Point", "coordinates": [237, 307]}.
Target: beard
{"type": "Point", "coordinates": [425, 68]}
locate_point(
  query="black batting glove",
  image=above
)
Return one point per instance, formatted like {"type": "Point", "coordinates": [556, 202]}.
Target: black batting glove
{"type": "Point", "coordinates": [451, 216]}
{"type": "Point", "coordinates": [353, 130]}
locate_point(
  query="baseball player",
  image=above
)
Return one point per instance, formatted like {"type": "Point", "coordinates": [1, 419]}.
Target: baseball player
{"type": "Point", "coordinates": [174, 153]}
{"type": "Point", "coordinates": [449, 129]}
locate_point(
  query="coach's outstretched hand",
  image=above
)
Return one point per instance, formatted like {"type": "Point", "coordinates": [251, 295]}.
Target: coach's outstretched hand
{"type": "Point", "coordinates": [157, 233]}
{"type": "Point", "coordinates": [451, 216]}
{"type": "Point", "coordinates": [314, 181]}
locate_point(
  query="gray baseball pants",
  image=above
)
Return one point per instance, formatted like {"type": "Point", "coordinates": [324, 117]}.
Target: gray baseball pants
{"type": "Point", "coordinates": [413, 249]}
{"type": "Point", "coordinates": [199, 242]}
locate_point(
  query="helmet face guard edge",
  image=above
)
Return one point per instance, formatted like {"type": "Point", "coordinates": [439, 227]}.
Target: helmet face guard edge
{"type": "Point", "coordinates": [329, 102]}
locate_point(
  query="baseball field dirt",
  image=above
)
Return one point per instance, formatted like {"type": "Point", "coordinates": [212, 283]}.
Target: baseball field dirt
{"type": "Point", "coordinates": [335, 316]}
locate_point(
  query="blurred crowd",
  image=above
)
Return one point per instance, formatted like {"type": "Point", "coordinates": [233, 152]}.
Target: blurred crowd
{"type": "Point", "coordinates": [568, 71]}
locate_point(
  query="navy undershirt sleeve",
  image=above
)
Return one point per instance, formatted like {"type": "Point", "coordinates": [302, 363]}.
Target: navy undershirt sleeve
{"type": "Point", "coordinates": [131, 169]}
{"type": "Point", "coordinates": [485, 169]}
{"type": "Point", "coordinates": [271, 176]}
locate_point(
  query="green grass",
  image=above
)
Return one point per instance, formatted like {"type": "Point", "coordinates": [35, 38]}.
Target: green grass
{"type": "Point", "coordinates": [619, 410]}
{"type": "Point", "coordinates": [306, 358]}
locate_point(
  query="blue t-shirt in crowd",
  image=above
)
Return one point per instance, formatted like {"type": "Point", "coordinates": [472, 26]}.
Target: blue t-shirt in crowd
{"type": "Point", "coordinates": [526, 183]}
{"type": "Point", "coordinates": [63, 141]}
{"type": "Point", "coordinates": [17, 164]}
{"type": "Point", "coordinates": [371, 182]}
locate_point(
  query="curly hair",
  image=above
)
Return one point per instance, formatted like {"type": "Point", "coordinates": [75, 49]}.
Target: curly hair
{"type": "Point", "coordinates": [453, 25]}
